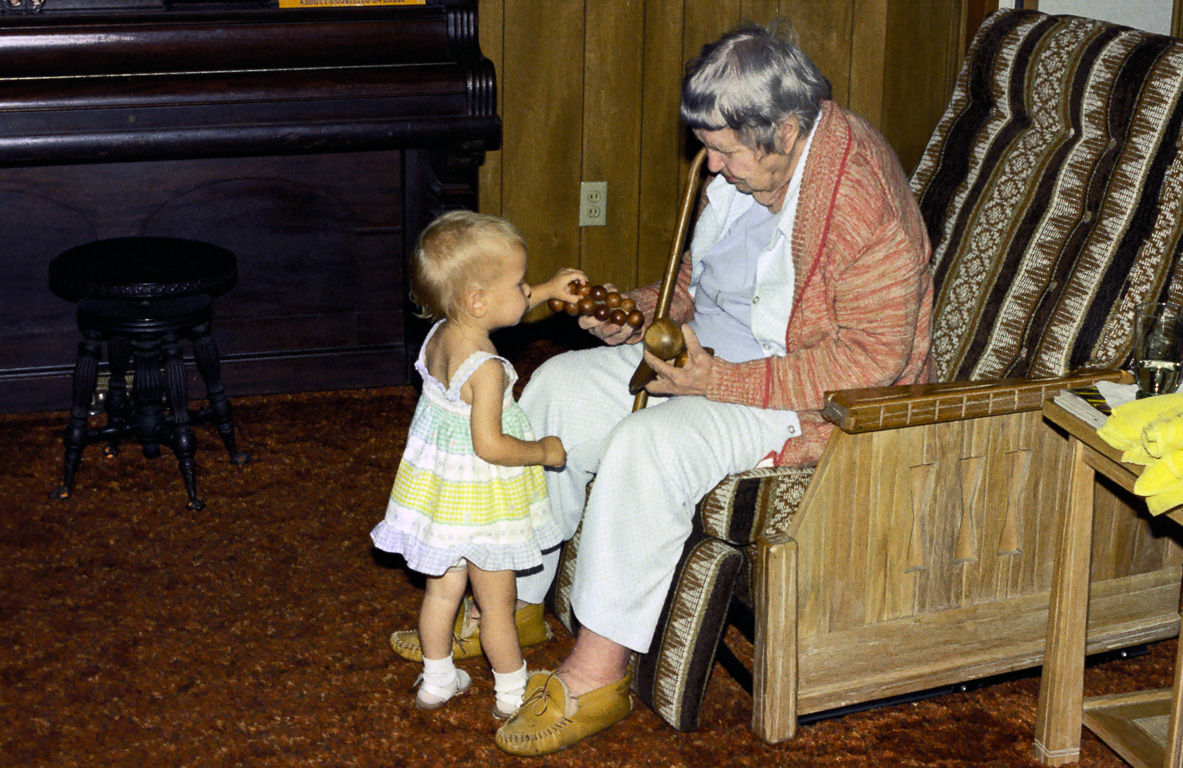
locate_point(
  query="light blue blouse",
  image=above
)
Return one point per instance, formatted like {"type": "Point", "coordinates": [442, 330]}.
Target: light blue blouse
{"type": "Point", "coordinates": [742, 275]}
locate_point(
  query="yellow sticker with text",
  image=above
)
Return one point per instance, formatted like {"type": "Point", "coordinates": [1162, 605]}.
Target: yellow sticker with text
{"type": "Point", "coordinates": [344, 3]}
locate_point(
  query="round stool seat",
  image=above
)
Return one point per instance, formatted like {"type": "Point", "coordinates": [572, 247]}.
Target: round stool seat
{"type": "Point", "coordinates": [142, 268]}
{"type": "Point", "coordinates": [135, 318]}
{"type": "Point", "coordinates": [140, 297]}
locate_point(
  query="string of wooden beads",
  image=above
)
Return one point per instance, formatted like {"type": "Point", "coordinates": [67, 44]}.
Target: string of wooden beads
{"type": "Point", "coordinates": [601, 303]}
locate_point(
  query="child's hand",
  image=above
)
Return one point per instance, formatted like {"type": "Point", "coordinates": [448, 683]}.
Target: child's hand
{"type": "Point", "coordinates": [553, 452]}
{"type": "Point", "coordinates": [559, 287]}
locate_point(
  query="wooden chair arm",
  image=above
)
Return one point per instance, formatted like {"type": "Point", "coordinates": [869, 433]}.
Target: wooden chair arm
{"type": "Point", "coordinates": [876, 408]}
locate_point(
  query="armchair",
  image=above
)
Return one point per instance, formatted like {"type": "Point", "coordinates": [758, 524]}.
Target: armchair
{"type": "Point", "coordinates": [918, 553]}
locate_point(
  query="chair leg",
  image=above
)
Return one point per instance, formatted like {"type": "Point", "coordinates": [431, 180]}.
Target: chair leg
{"type": "Point", "coordinates": [86, 371]}
{"type": "Point", "coordinates": [221, 413]}
{"type": "Point", "coordinates": [183, 440]}
{"type": "Point", "coordinates": [774, 700]}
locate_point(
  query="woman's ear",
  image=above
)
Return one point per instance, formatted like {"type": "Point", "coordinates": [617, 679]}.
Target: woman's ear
{"type": "Point", "coordinates": [790, 130]}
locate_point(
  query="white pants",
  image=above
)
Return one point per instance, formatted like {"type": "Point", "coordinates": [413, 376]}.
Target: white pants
{"type": "Point", "coordinates": [650, 468]}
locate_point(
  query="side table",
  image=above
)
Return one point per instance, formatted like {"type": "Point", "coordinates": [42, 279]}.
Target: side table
{"type": "Point", "coordinates": [1143, 727]}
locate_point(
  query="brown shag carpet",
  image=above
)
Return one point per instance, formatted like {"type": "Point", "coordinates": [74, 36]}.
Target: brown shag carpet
{"type": "Point", "coordinates": [254, 633]}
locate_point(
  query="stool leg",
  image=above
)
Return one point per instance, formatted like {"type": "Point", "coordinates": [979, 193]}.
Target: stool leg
{"type": "Point", "coordinates": [221, 413]}
{"type": "Point", "coordinates": [184, 442]}
{"type": "Point", "coordinates": [118, 405]}
{"type": "Point", "coordinates": [148, 418]}
{"type": "Point", "coordinates": [86, 371]}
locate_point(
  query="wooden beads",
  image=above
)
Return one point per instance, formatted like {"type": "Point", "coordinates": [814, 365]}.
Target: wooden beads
{"type": "Point", "coordinates": [604, 305]}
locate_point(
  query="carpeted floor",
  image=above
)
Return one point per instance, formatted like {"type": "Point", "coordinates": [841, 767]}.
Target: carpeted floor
{"type": "Point", "coordinates": [253, 633]}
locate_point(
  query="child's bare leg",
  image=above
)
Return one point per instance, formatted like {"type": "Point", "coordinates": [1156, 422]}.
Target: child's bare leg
{"type": "Point", "coordinates": [440, 680]}
{"type": "Point", "coordinates": [437, 612]}
{"type": "Point", "coordinates": [496, 594]}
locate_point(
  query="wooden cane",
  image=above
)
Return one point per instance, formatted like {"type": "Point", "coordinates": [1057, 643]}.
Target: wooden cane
{"type": "Point", "coordinates": [663, 337]}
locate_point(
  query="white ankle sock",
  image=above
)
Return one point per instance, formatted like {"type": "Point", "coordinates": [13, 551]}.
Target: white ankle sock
{"type": "Point", "coordinates": [441, 681]}
{"type": "Point", "coordinates": [509, 688]}
{"type": "Point", "coordinates": [438, 671]}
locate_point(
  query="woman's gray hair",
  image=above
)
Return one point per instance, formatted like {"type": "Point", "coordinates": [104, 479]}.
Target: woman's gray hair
{"type": "Point", "coordinates": [751, 80]}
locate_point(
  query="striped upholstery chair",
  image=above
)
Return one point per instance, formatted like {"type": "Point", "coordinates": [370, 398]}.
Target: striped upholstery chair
{"type": "Point", "coordinates": [918, 553]}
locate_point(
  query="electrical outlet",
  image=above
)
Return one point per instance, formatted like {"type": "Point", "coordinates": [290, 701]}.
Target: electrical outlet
{"type": "Point", "coordinates": [593, 203]}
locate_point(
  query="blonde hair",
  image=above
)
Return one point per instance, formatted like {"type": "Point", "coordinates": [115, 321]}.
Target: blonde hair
{"type": "Point", "coordinates": [452, 256]}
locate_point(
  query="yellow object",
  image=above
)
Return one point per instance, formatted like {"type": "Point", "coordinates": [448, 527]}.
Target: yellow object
{"type": "Point", "coordinates": [550, 719]}
{"type": "Point", "coordinates": [1149, 432]}
{"type": "Point", "coordinates": [344, 3]}
{"type": "Point", "coordinates": [466, 637]}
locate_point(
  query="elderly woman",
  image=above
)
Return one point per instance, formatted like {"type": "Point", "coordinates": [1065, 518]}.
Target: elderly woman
{"type": "Point", "coordinates": [807, 272]}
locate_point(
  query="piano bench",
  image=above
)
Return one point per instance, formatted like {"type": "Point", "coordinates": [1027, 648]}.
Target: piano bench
{"type": "Point", "coordinates": [141, 296]}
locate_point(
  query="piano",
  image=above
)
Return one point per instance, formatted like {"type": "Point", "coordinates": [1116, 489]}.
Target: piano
{"type": "Point", "coordinates": [313, 139]}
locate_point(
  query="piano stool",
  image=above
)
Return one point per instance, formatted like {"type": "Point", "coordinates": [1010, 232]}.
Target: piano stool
{"type": "Point", "coordinates": [141, 296]}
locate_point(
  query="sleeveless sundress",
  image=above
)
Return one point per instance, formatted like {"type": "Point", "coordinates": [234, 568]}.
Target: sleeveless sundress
{"type": "Point", "coordinates": [447, 503]}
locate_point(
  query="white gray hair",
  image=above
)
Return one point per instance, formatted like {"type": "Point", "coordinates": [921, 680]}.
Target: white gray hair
{"type": "Point", "coordinates": [751, 80]}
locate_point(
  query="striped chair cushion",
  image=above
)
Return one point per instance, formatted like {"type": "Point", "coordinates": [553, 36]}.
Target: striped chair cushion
{"type": "Point", "coordinates": [1052, 188]}
{"type": "Point", "coordinates": [745, 506]}
{"type": "Point", "coordinates": [672, 677]}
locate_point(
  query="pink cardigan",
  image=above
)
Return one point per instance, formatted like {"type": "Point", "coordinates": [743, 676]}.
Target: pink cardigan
{"type": "Point", "coordinates": [862, 306]}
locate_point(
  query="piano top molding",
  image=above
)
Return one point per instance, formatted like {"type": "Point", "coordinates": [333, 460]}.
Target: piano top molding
{"type": "Point", "coordinates": [92, 6]}
{"type": "Point", "coordinates": [245, 79]}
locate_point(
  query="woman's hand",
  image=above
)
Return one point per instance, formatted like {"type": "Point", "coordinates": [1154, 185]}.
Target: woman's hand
{"type": "Point", "coordinates": [608, 332]}
{"type": "Point", "coordinates": [690, 379]}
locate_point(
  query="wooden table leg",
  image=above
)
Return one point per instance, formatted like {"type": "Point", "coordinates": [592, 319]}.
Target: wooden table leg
{"type": "Point", "coordinates": [1061, 688]}
{"type": "Point", "coordinates": [1174, 746]}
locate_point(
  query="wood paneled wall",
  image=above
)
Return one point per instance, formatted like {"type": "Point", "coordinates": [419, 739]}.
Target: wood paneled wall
{"type": "Point", "coordinates": [588, 91]}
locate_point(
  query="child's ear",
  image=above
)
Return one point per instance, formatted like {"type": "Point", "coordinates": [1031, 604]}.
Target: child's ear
{"type": "Point", "coordinates": [475, 303]}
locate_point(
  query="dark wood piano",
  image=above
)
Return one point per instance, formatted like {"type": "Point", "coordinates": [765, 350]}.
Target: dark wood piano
{"type": "Point", "coordinates": [313, 142]}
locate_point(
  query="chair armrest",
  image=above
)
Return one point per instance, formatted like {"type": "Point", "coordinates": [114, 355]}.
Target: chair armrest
{"type": "Point", "coordinates": [876, 408]}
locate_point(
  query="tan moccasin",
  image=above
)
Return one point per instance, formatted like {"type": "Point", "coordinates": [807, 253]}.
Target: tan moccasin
{"type": "Point", "coordinates": [466, 636]}
{"type": "Point", "coordinates": [550, 719]}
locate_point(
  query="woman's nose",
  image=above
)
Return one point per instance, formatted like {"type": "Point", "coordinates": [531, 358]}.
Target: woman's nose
{"type": "Point", "coordinates": [714, 161]}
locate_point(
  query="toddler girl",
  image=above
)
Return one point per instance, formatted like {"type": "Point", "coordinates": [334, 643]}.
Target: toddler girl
{"type": "Point", "coordinates": [469, 504]}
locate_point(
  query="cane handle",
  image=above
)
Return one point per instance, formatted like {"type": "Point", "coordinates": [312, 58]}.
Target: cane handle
{"type": "Point", "coordinates": [666, 294]}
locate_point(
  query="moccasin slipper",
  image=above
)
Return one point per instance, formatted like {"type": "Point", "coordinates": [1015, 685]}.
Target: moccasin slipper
{"type": "Point", "coordinates": [550, 719]}
{"type": "Point", "coordinates": [466, 639]}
